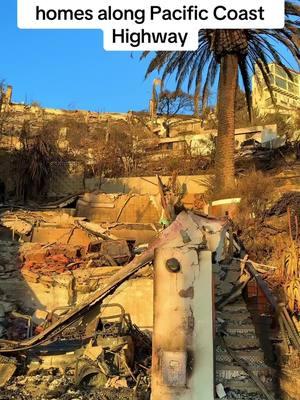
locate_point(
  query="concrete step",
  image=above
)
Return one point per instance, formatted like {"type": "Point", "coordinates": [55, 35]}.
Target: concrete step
{"type": "Point", "coordinates": [245, 386]}
{"type": "Point", "coordinates": [244, 343]}
{"type": "Point", "coordinates": [240, 343]}
{"type": "Point", "coordinates": [236, 394]}
{"type": "Point", "coordinates": [232, 275]}
{"type": "Point", "coordinates": [240, 330]}
{"type": "Point", "coordinates": [239, 395]}
{"type": "Point", "coordinates": [239, 307]}
{"type": "Point", "coordinates": [230, 368]}
{"type": "Point", "coordinates": [250, 357]}
{"type": "Point", "coordinates": [231, 267]}
{"type": "Point", "coordinates": [239, 317]}
{"type": "Point", "coordinates": [228, 371]}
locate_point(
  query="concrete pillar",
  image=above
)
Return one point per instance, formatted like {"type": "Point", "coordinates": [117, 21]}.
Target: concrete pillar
{"type": "Point", "coordinates": [182, 358]}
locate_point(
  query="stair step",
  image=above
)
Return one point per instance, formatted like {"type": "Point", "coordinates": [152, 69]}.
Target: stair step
{"type": "Point", "coordinates": [242, 340]}
{"type": "Point", "coordinates": [235, 307]}
{"type": "Point", "coordinates": [235, 316]}
{"type": "Point", "coordinates": [245, 385]}
{"type": "Point", "coordinates": [239, 343]}
{"type": "Point", "coordinates": [230, 371]}
{"type": "Point", "coordinates": [251, 357]}
{"type": "Point", "coordinates": [240, 395]}
{"type": "Point", "coordinates": [235, 329]}
{"type": "Point", "coordinates": [257, 397]}
{"type": "Point", "coordinates": [231, 268]}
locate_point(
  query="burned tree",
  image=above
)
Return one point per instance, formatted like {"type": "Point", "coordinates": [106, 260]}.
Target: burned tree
{"type": "Point", "coordinates": [33, 165]}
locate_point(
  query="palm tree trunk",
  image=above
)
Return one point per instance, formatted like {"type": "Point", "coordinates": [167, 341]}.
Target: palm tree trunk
{"type": "Point", "coordinates": [196, 99]}
{"type": "Point", "coordinates": [224, 162]}
{"type": "Point", "coordinates": [196, 104]}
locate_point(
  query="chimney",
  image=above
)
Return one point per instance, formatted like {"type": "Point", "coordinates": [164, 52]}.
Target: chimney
{"type": "Point", "coordinates": [8, 95]}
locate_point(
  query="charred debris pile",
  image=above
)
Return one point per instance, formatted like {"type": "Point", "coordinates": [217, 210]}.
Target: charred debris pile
{"type": "Point", "coordinates": [76, 295]}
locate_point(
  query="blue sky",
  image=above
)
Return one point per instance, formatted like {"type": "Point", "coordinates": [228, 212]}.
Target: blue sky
{"type": "Point", "coordinates": [69, 69]}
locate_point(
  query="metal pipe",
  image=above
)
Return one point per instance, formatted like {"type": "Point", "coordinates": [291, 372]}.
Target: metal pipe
{"type": "Point", "coordinates": [290, 326]}
{"type": "Point", "coordinates": [280, 309]}
{"type": "Point", "coordinates": [284, 335]}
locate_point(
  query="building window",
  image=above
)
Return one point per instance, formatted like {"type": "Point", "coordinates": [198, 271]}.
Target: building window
{"type": "Point", "coordinates": [293, 88]}
{"type": "Point", "coordinates": [280, 71]}
{"type": "Point", "coordinates": [281, 83]}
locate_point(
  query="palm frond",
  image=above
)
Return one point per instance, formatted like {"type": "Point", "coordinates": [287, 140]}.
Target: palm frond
{"type": "Point", "coordinates": [254, 48]}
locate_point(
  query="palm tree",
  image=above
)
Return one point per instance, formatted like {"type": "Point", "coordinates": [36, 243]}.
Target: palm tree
{"type": "Point", "coordinates": [228, 55]}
